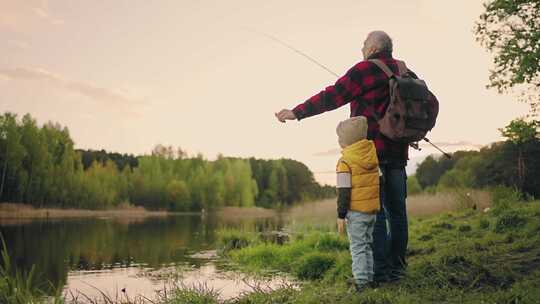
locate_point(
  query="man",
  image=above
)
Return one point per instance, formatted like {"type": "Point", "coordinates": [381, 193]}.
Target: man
{"type": "Point", "coordinates": [366, 87]}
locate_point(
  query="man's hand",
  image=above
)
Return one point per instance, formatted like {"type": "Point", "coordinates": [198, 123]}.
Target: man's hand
{"type": "Point", "coordinates": [284, 115]}
{"type": "Point", "coordinates": [341, 226]}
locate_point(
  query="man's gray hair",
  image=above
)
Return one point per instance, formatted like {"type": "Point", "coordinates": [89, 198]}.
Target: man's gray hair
{"type": "Point", "coordinates": [381, 41]}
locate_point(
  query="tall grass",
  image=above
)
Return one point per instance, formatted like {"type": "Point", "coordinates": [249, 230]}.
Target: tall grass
{"type": "Point", "coordinates": [21, 287]}
{"type": "Point", "coordinates": [463, 256]}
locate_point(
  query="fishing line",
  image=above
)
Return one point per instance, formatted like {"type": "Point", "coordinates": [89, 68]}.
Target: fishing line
{"type": "Point", "coordinates": [301, 53]}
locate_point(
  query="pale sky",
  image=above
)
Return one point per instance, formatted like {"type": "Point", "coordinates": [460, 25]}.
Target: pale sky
{"type": "Point", "coordinates": [126, 75]}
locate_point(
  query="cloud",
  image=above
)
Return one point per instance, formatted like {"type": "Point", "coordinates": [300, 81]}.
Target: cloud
{"type": "Point", "coordinates": [330, 152]}
{"type": "Point", "coordinates": [43, 13]}
{"type": "Point", "coordinates": [451, 145]}
{"type": "Point", "coordinates": [18, 44]}
{"type": "Point", "coordinates": [28, 15]}
{"type": "Point", "coordinates": [100, 94]}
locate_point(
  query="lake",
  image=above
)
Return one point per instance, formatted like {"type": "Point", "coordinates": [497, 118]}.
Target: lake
{"type": "Point", "coordinates": [138, 255]}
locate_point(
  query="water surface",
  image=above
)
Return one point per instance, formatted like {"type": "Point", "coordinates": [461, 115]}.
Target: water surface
{"type": "Point", "coordinates": [140, 254]}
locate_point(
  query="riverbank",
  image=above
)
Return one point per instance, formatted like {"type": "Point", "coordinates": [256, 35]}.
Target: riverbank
{"type": "Point", "coordinates": [467, 256]}
{"type": "Point", "coordinates": [464, 256]}
{"type": "Point", "coordinates": [23, 211]}
{"type": "Point", "coordinates": [417, 205]}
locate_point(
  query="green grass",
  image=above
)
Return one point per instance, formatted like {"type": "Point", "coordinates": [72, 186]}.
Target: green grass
{"type": "Point", "coordinates": [460, 257]}
{"type": "Point", "coordinates": [18, 287]}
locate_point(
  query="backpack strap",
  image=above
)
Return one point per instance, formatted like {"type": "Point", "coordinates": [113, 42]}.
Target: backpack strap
{"type": "Point", "coordinates": [402, 68]}
{"type": "Point", "coordinates": [383, 67]}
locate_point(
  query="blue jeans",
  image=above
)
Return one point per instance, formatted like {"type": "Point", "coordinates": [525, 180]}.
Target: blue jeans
{"type": "Point", "coordinates": [391, 232]}
{"type": "Point", "coordinates": [360, 232]}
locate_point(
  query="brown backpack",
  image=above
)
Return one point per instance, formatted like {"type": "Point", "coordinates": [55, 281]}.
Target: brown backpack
{"type": "Point", "coordinates": [412, 110]}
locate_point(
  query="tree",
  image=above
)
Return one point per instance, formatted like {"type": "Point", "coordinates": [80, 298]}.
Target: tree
{"type": "Point", "coordinates": [12, 154]}
{"type": "Point", "coordinates": [178, 195]}
{"type": "Point", "coordinates": [413, 187]}
{"type": "Point", "coordinates": [431, 169]}
{"type": "Point", "coordinates": [511, 30]}
{"type": "Point", "coordinates": [519, 132]}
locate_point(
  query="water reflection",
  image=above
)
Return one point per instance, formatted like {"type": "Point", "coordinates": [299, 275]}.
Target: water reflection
{"type": "Point", "coordinates": [98, 251]}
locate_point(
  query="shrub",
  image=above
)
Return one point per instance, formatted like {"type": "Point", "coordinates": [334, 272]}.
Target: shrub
{"type": "Point", "coordinates": [503, 197]}
{"type": "Point", "coordinates": [509, 221]}
{"type": "Point", "coordinates": [234, 239]}
{"type": "Point", "coordinates": [484, 224]}
{"type": "Point", "coordinates": [413, 186]}
{"type": "Point", "coordinates": [314, 265]}
{"type": "Point", "coordinates": [464, 228]}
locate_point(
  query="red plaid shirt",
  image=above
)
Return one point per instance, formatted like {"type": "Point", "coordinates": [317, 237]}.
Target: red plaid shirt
{"type": "Point", "coordinates": [365, 87]}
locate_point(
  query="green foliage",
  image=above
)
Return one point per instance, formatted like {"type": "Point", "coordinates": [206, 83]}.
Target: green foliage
{"type": "Point", "coordinates": [453, 258]}
{"type": "Point", "coordinates": [190, 295]}
{"type": "Point", "coordinates": [513, 164]}
{"type": "Point", "coordinates": [285, 181]}
{"type": "Point", "coordinates": [504, 197]}
{"type": "Point", "coordinates": [511, 30]}
{"type": "Point", "coordinates": [88, 157]}
{"type": "Point", "coordinates": [413, 186]}
{"type": "Point", "coordinates": [38, 165]}
{"type": "Point", "coordinates": [313, 266]}
{"type": "Point", "coordinates": [19, 287]}
{"type": "Point", "coordinates": [520, 131]}
{"type": "Point", "coordinates": [308, 257]}
{"type": "Point", "coordinates": [431, 169]}
{"type": "Point", "coordinates": [509, 221]}
{"type": "Point", "coordinates": [234, 239]}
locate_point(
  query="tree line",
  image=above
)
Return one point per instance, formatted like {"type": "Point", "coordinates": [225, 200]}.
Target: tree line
{"type": "Point", "coordinates": [40, 166]}
{"type": "Point", "coordinates": [513, 163]}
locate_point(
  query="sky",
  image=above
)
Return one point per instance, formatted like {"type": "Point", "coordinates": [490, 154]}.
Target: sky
{"type": "Point", "coordinates": [126, 75]}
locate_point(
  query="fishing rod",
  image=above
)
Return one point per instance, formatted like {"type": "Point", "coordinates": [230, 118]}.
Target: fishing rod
{"type": "Point", "coordinates": [299, 52]}
{"type": "Point", "coordinates": [313, 60]}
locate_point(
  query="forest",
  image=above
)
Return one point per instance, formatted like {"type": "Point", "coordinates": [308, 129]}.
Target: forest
{"type": "Point", "coordinates": [513, 163]}
{"type": "Point", "coordinates": [39, 165]}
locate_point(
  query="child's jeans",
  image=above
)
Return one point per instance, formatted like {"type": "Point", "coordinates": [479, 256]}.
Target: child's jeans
{"type": "Point", "coordinates": [360, 230]}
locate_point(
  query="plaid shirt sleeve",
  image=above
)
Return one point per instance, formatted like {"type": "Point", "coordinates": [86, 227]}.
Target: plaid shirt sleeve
{"type": "Point", "coordinates": [347, 88]}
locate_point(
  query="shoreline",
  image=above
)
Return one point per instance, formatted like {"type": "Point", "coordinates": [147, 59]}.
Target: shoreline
{"type": "Point", "coordinates": [25, 211]}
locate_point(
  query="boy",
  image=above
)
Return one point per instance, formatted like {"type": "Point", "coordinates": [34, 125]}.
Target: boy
{"type": "Point", "coordinates": [358, 195]}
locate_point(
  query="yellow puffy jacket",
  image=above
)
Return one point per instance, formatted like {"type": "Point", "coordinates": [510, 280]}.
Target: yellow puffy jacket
{"type": "Point", "coordinates": [360, 160]}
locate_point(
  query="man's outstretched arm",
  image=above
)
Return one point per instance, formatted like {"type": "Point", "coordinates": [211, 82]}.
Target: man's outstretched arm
{"type": "Point", "coordinates": [342, 92]}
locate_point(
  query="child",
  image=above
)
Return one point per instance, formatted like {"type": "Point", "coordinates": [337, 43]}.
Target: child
{"type": "Point", "coordinates": [358, 195]}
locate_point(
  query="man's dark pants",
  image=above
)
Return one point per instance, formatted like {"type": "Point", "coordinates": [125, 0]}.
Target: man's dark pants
{"type": "Point", "coordinates": [391, 233]}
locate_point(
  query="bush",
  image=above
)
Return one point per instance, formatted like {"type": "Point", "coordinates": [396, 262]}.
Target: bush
{"type": "Point", "coordinates": [484, 224]}
{"type": "Point", "coordinates": [413, 186]}
{"type": "Point", "coordinates": [313, 266]}
{"type": "Point", "coordinates": [234, 239]}
{"type": "Point", "coordinates": [503, 197]}
{"type": "Point", "coordinates": [509, 221]}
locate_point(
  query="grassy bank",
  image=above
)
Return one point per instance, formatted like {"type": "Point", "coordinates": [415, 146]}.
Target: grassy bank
{"type": "Point", "coordinates": [467, 256]}
{"type": "Point", "coordinates": [459, 257]}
